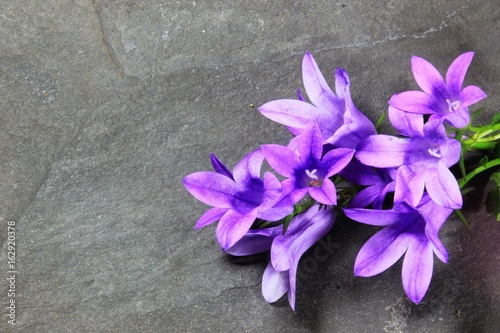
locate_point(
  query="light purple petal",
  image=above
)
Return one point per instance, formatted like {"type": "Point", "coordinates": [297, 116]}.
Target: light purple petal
{"type": "Point", "coordinates": [309, 144]}
{"type": "Point", "coordinates": [426, 75]}
{"type": "Point", "coordinates": [379, 201]}
{"type": "Point", "coordinates": [443, 188]}
{"type": "Point", "coordinates": [459, 118]}
{"type": "Point", "coordinates": [382, 151]}
{"type": "Point", "coordinates": [456, 72]}
{"type": "Point", "coordinates": [450, 152]}
{"type": "Point", "coordinates": [304, 230]}
{"type": "Point", "coordinates": [274, 284]}
{"type": "Point", "coordinates": [292, 280]}
{"type": "Point", "coordinates": [366, 196]}
{"type": "Point", "coordinates": [249, 167]}
{"type": "Point", "coordinates": [342, 82]}
{"type": "Point", "coordinates": [210, 216]}
{"type": "Point", "coordinates": [417, 269]}
{"type": "Point", "coordinates": [317, 89]}
{"type": "Point", "coordinates": [337, 159]}
{"type": "Point", "coordinates": [290, 112]}
{"type": "Point", "coordinates": [413, 101]}
{"type": "Point", "coordinates": [281, 159]}
{"type": "Point", "coordinates": [211, 188]}
{"type": "Point", "coordinates": [219, 167]}
{"type": "Point", "coordinates": [376, 217]}
{"type": "Point", "coordinates": [409, 124]}
{"type": "Point", "coordinates": [471, 95]}
{"type": "Point", "coordinates": [255, 241]}
{"type": "Point", "coordinates": [410, 185]}
{"type": "Point", "coordinates": [382, 250]}
{"type": "Point", "coordinates": [326, 194]}
{"type": "Point", "coordinates": [233, 226]}
{"type": "Point", "coordinates": [273, 191]}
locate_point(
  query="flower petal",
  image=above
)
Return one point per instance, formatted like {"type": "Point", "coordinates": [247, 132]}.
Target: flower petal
{"type": "Point", "coordinates": [210, 216]}
{"type": "Point", "coordinates": [233, 226]}
{"type": "Point", "coordinates": [304, 230]}
{"type": "Point", "coordinates": [456, 72]}
{"type": "Point", "coordinates": [382, 250]}
{"type": "Point", "coordinates": [309, 144]}
{"type": "Point", "coordinates": [317, 89]}
{"type": "Point", "coordinates": [410, 185]}
{"type": "Point", "coordinates": [281, 159]}
{"type": "Point", "coordinates": [426, 75]}
{"type": "Point", "coordinates": [471, 95]}
{"type": "Point", "coordinates": [393, 150]}
{"type": "Point", "coordinates": [274, 284]}
{"type": "Point", "coordinates": [219, 167]}
{"type": "Point", "coordinates": [290, 112]}
{"type": "Point", "coordinates": [211, 188]}
{"type": "Point", "coordinates": [417, 269]}
{"type": "Point", "coordinates": [337, 159]}
{"type": "Point", "coordinates": [443, 188]}
{"type": "Point", "coordinates": [326, 194]}
{"type": "Point", "coordinates": [375, 217]}
{"type": "Point", "coordinates": [413, 101]}
{"type": "Point", "coordinates": [255, 241]}
{"type": "Point", "coordinates": [409, 124]}
{"type": "Point", "coordinates": [292, 280]}
{"type": "Point", "coordinates": [248, 169]}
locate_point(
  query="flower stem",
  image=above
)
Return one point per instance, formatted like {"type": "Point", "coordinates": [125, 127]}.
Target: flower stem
{"type": "Point", "coordinates": [490, 164]}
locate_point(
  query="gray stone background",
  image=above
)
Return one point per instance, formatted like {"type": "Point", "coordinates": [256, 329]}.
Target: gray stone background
{"type": "Point", "coordinates": [107, 105]}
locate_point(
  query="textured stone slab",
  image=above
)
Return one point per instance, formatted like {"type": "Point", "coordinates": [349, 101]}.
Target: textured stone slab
{"type": "Point", "coordinates": [106, 106]}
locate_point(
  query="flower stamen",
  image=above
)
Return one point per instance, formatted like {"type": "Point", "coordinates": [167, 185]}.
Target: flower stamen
{"type": "Point", "coordinates": [453, 106]}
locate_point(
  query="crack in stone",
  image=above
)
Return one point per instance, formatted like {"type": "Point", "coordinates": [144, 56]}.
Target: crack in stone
{"type": "Point", "coordinates": [109, 48]}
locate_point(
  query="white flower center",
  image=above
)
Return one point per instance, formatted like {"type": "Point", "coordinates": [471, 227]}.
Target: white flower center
{"type": "Point", "coordinates": [453, 106]}
{"type": "Point", "coordinates": [434, 152]}
{"type": "Point", "coordinates": [312, 174]}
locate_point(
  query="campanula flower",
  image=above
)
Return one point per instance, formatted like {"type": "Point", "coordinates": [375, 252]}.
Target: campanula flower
{"type": "Point", "coordinates": [306, 170]}
{"type": "Point", "coordinates": [409, 230]}
{"type": "Point", "coordinates": [237, 197]}
{"type": "Point", "coordinates": [340, 122]}
{"type": "Point", "coordinates": [422, 161]}
{"type": "Point", "coordinates": [442, 99]}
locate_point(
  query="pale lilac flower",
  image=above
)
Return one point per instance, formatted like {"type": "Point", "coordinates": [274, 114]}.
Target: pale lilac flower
{"type": "Point", "coordinates": [306, 170]}
{"type": "Point", "coordinates": [340, 122]}
{"type": "Point", "coordinates": [237, 198]}
{"type": "Point", "coordinates": [442, 99]}
{"type": "Point", "coordinates": [413, 231]}
{"type": "Point", "coordinates": [304, 231]}
{"type": "Point", "coordinates": [422, 161]}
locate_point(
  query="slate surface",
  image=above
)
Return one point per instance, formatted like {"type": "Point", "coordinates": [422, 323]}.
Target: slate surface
{"type": "Point", "coordinates": [107, 105]}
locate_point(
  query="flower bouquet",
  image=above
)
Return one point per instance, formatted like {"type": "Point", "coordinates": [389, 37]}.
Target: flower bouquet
{"type": "Point", "coordinates": [337, 165]}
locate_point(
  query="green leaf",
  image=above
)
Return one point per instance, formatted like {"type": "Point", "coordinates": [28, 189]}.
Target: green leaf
{"type": "Point", "coordinates": [459, 214]}
{"type": "Point", "coordinates": [483, 161]}
{"type": "Point", "coordinates": [492, 201]}
{"type": "Point", "coordinates": [380, 119]}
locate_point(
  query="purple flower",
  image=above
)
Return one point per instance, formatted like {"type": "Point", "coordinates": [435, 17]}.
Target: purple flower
{"type": "Point", "coordinates": [237, 198]}
{"type": "Point", "coordinates": [340, 122]}
{"type": "Point", "coordinates": [378, 183]}
{"type": "Point", "coordinates": [306, 170]}
{"type": "Point", "coordinates": [422, 160]}
{"type": "Point", "coordinates": [413, 231]}
{"type": "Point", "coordinates": [304, 231]}
{"type": "Point", "coordinates": [444, 100]}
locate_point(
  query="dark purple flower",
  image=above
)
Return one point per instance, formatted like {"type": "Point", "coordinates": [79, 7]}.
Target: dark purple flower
{"type": "Point", "coordinates": [340, 122]}
{"type": "Point", "coordinates": [413, 231]}
{"type": "Point", "coordinates": [237, 198]}
{"type": "Point", "coordinates": [422, 161]}
{"type": "Point", "coordinates": [304, 231]}
{"type": "Point", "coordinates": [306, 170]}
{"type": "Point", "coordinates": [443, 99]}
